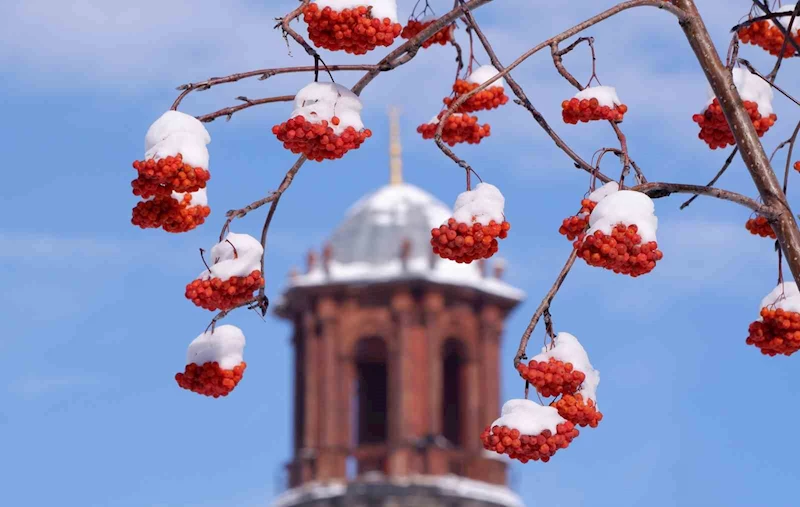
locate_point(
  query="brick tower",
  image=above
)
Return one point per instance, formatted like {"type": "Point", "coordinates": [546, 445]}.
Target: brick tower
{"type": "Point", "coordinates": [396, 362]}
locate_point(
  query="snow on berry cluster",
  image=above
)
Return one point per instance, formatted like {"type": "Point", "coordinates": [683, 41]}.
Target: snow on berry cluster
{"type": "Point", "coordinates": [232, 278]}
{"type": "Point", "coordinates": [766, 35]}
{"type": "Point", "coordinates": [490, 98]}
{"type": "Point", "coordinates": [622, 234]}
{"type": "Point", "coordinates": [325, 123]}
{"type": "Point", "coordinates": [458, 128]}
{"type": "Point", "coordinates": [352, 26]}
{"type": "Point", "coordinates": [528, 431]}
{"type": "Point", "coordinates": [757, 97]}
{"type": "Point", "coordinates": [414, 27]}
{"type": "Point", "coordinates": [214, 362]}
{"type": "Point", "coordinates": [759, 226]}
{"type": "Point", "coordinates": [564, 369]}
{"type": "Point", "coordinates": [171, 180]}
{"type": "Point", "coordinates": [574, 226]}
{"type": "Point", "coordinates": [593, 103]}
{"type": "Point", "coordinates": [777, 331]}
{"type": "Point", "coordinates": [472, 232]}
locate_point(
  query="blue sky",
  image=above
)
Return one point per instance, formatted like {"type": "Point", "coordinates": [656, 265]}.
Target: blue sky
{"type": "Point", "coordinates": [96, 323]}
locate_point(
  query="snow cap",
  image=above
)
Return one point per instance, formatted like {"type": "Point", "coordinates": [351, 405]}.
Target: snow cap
{"type": "Point", "coordinates": [174, 121]}
{"type": "Point", "coordinates": [528, 417]}
{"type": "Point", "coordinates": [227, 263]}
{"type": "Point", "coordinates": [785, 296]}
{"type": "Point", "coordinates": [190, 146]}
{"type": "Point", "coordinates": [380, 8]}
{"type": "Point", "coordinates": [322, 101]}
{"type": "Point", "coordinates": [751, 88]}
{"type": "Point", "coordinates": [784, 20]}
{"type": "Point", "coordinates": [224, 346]}
{"type": "Point", "coordinates": [199, 198]}
{"type": "Point", "coordinates": [604, 191]}
{"type": "Point", "coordinates": [483, 74]}
{"type": "Point", "coordinates": [567, 349]}
{"type": "Point", "coordinates": [481, 205]}
{"type": "Point", "coordinates": [625, 207]}
{"type": "Point", "coordinates": [605, 95]}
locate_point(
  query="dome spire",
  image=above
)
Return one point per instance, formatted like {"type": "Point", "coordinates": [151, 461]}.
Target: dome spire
{"type": "Point", "coordinates": [395, 161]}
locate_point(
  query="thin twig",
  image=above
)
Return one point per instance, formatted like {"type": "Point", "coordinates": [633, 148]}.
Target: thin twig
{"type": "Point", "coordinates": [657, 190]}
{"type": "Point", "coordinates": [228, 111]}
{"type": "Point", "coordinates": [724, 168]}
{"type": "Point", "coordinates": [768, 81]}
{"type": "Point", "coordinates": [544, 305]}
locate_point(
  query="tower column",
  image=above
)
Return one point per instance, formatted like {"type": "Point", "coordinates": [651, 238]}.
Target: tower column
{"type": "Point", "coordinates": [332, 455]}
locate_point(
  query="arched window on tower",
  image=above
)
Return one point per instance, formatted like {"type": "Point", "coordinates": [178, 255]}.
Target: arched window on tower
{"type": "Point", "coordinates": [453, 385]}
{"type": "Point", "coordinates": [370, 425]}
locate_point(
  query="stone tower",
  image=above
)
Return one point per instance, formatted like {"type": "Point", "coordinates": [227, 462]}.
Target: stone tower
{"type": "Point", "coordinates": [396, 362]}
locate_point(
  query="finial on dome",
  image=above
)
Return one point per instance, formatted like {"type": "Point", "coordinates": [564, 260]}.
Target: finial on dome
{"type": "Point", "coordinates": [395, 162]}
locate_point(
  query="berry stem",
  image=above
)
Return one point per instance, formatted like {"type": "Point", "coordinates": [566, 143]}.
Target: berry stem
{"type": "Point", "coordinates": [202, 258]}
{"type": "Point", "coordinates": [235, 253]}
{"type": "Point", "coordinates": [757, 73]}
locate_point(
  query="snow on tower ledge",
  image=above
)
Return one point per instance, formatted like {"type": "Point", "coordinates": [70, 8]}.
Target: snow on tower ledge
{"type": "Point", "coordinates": [366, 246]}
{"type": "Point", "coordinates": [443, 485]}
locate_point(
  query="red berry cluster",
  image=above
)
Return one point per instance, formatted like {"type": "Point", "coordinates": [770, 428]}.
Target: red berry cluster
{"type": "Point", "coordinates": [505, 440]}
{"type": "Point", "coordinates": [464, 243]}
{"type": "Point", "coordinates": [167, 175]}
{"type": "Point", "coordinates": [716, 132]}
{"type": "Point", "coordinates": [777, 333]}
{"type": "Point", "coordinates": [586, 110]}
{"type": "Point", "coordinates": [442, 37]}
{"type": "Point", "coordinates": [572, 408]}
{"type": "Point", "coordinates": [797, 166]}
{"type": "Point", "coordinates": [170, 214]}
{"type": "Point", "coordinates": [214, 294]}
{"type": "Point", "coordinates": [209, 379]}
{"type": "Point", "coordinates": [621, 252]}
{"type": "Point", "coordinates": [458, 128]}
{"type": "Point", "coordinates": [353, 31]}
{"type": "Point", "coordinates": [759, 226]}
{"type": "Point", "coordinates": [552, 377]}
{"type": "Point", "coordinates": [768, 37]}
{"type": "Point", "coordinates": [317, 140]}
{"type": "Point", "coordinates": [490, 98]}
{"type": "Point", "coordinates": [576, 225]}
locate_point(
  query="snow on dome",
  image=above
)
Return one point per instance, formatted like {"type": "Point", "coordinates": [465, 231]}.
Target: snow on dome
{"type": "Point", "coordinates": [380, 8]}
{"type": "Point", "coordinates": [528, 417]}
{"type": "Point", "coordinates": [225, 345]}
{"type": "Point", "coordinates": [322, 101]}
{"type": "Point", "coordinates": [481, 205]}
{"type": "Point", "coordinates": [190, 146]}
{"type": "Point", "coordinates": [229, 263]}
{"type": "Point", "coordinates": [784, 20]}
{"type": "Point", "coordinates": [605, 95]}
{"type": "Point", "coordinates": [751, 88]}
{"type": "Point", "coordinates": [604, 191]}
{"type": "Point", "coordinates": [785, 296]}
{"type": "Point", "coordinates": [625, 207]}
{"type": "Point", "coordinates": [567, 349]}
{"type": "Point", "coordinates": [483, 74]}
{"type": "Point", "coordinates": [171, 122]}
{"type": "Point", "coordinates": [199, 198]}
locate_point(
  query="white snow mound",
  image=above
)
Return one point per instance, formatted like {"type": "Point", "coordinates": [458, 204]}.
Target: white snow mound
{"type": "Point", "coordinates": [567, 349]}
{"type": "Point", "coordinates": [784, 21]}
{"type": "Point", "coordinates": [751, 88]}
{"type": "Point", "coordinates": [171, 122]}
{"type": "Point", "coordinates": [224, 346]}
{"type": "Point", "coordinates": [785, 296]}
{"type": "Point", "coordinates": [528, 417]}
{"type": "Point", "coordinates": [189, 145]}
{"type": "Point", "coordinates": [625, 207]}
{"type": "Point", "coordinates": [604, 191]}
{"type": "Point", "coordinates": [380, 8]}
{"type": "Point", "coordinates": [322, 101]}
{"type": "Point", "coordinates": [199, 198]}
{"type": "Point", "coordinates": [480, 205]}
{"type": "Point", "coordinates": [483, 74]}
{"type": "Point", "coordinates": [605, 95]}
{"type": "Point", "coordinates": [227, 263]}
